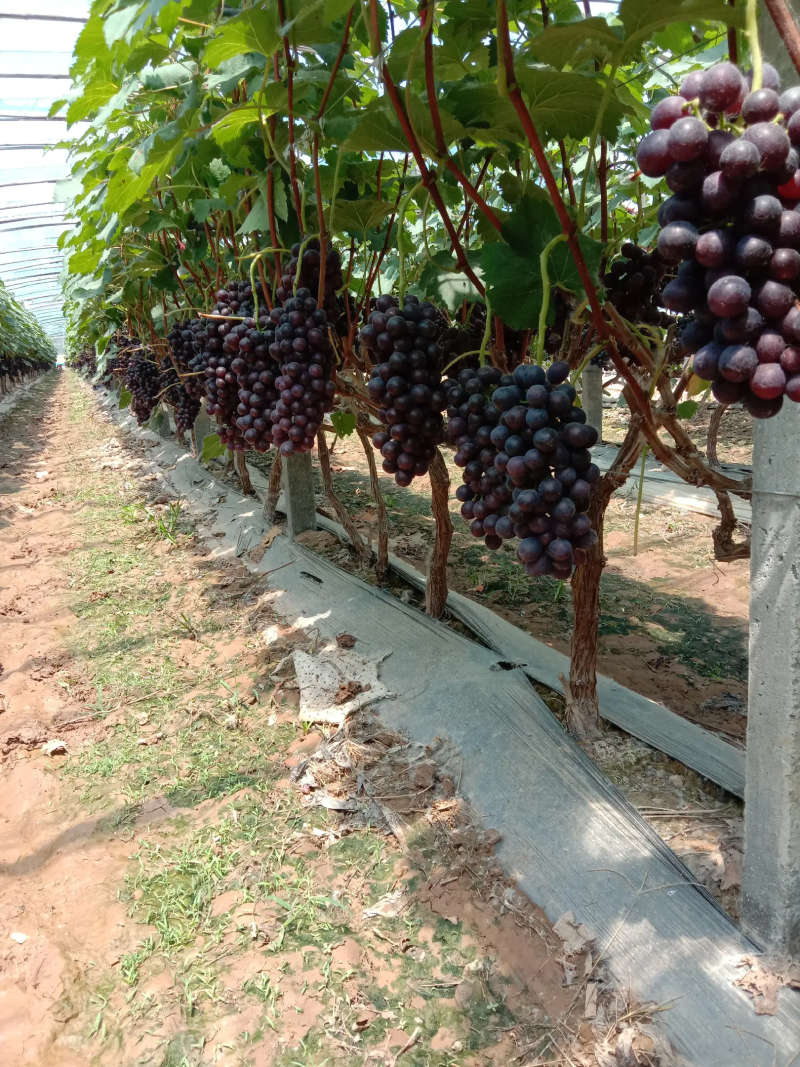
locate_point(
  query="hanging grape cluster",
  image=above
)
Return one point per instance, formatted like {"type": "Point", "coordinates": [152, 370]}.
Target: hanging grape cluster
{"type": "Point", "coordinates": [528, 472]}
{"type": "Point", "coordinates": [732, 224]}
{"type": "Point", "coordinates": [406, 384]}
{"type": "Point", "coordinates": [306, 275]}
{"type": "Point", "coordinates": [142, 380]}
{"type": "Point", "coordinates": [185, 344]}
{"type": "Point", "coordinates": [85, 360]}
{"type": "Point", "coordinates": [633, 285]}
{"type": "Point", "coordinates": [304, 389]}
{"type": "Point", "coordinates": [173, 392]}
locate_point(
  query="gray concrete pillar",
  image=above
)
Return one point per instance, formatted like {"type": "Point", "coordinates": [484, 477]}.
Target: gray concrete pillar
{"type": "Point", "coordinates": [298, 491]}
{"type": "Point", "coordinates": [203, 428]}
{"type": "Point", "coordinates": [592, 397]}
{"type": "Point", "coordinates": [771, 882]}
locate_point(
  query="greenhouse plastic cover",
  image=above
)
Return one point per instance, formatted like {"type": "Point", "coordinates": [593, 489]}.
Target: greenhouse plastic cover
{"type": "Point", "coordinates": [36, 42]}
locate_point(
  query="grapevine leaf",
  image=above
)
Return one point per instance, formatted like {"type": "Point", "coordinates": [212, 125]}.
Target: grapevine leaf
{"type": "Point", "coordinates": [686, 409]}
{"type": "Point", "coordinates": [233, 124]}
{"type": "Point", "coordinates": [512, 268]}
{"type": "Point", "coordinates": [212, 447]}
{"type": "Point", "coordinates": [93, 97]}
{"type": "Point", "coordinates": [377, 131]}
{"type": "Point", "coordinates": [642, 18]}
{"type": "Point", "coordinates": [344, 422]}
{"type": "Point", "coordinates": [257, 219]}
{"type": "Point", "coordinates": [568, 44]}
{"type": "Point", "coordinates": [334, 9]}
{"type": "Point", "coordinates": [359, 215]}
{"type": "Point", "coordinates": [124, 398]}
{"type": "Point", "coordinates": [567, 105]}
{"type": "Point", "coordinates": [253, 30]}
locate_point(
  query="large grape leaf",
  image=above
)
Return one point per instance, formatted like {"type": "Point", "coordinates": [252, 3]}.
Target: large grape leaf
{"type": "Point", "coordinates": [567, 105]}
{"type": "Point", "coordinates": [643, 18]}
{"type": "Point", "coordinates": [359, 215]}
{"type": "Point", "coordinates": [560, 45]}
{"type": "Point", "coordinates": [252, 31]}
{"type": "Point", "coordinates": [376, 131]}
{"type": "Point", "coordinates": [234, 123]}
{"type": "Point", "coordinates": [490, 118]}
{"type": "Point", "coordinates": [512, 268]}
{"type": "Point", "coordinates": [94, 96]}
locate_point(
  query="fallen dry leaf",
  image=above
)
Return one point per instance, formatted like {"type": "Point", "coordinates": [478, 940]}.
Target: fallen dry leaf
{"type": "Point", "coordinates": [768, 974]}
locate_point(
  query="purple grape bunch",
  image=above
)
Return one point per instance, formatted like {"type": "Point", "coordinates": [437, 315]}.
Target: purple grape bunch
{"type": "Point", "coordinates": [733, 225]}
{"type": "Point", "coordinates": [305, 389]}
{"type": "Point", "coordinates": [406, 384]}
{"type": "Point", "coordinates": [143, 382]}
{"type": "Point", "coordinates": [528, 472]}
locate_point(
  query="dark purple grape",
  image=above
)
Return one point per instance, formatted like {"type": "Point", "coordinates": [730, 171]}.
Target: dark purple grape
{"type": "Point", "coordinates": [529, 549]}
{"type": "Point", "coordinates": [760, 106]}
{"type": "Point", "coordinates": [677, 241]}
{"type": "Point", "coordinates": [768, 381]}
{"type": "Point", "coordinates": [788, 233]}
{"type": "Point", "coordinates": [653, 155]}
{"type": "Point", "coordinates": [693, 337]}
{"type": "Point", "coordinates": [718, 141]}
{"type": "Point", "coordinates": [683, 178]}
{"type": "Point", "coordinates": [740, 160]}
{"type": "Point", "coordinates": [789, 325]}
{"type": "Point", "coordinates": [558, 372]}
{"type": "Point", "coordinates": [793, 388]}
{"type": "Point", "coordinates": [742, 327]}
{"type": "Point", "coordinates": [772, 299]}
{"type": "Point", "coordinates": [770, 346]}
{"type": "Point", "coordinates": [687, 139]}
{"type": "Point", "coordinates": [680, 209]}
{"type": "Point", "coordinates": [785, 264]}
{"type": "Point", "coordinates": [790, 361]}
{"type": "Point", "coordinates": [771, 141]}
{"type": "Point", "coordinates": [729, 296]}
{"type": "Point", "coordinates": [720, 87]}
{"type": "Point", "coordinates": [668, 111]}
{"type": "Point", "coordinates": [789, 101]}
{"type": "Point", "coordinates": [753, 253]}
{"type": "Point", "coordinates": [714, 248]}
{"type": "Point", "coordinates": [719, 194]}
{"type": "Point", "coordinates": [692, 85]}
{"type": "Point", "coordinates": [681, 295]}
{"type": "Point", "coordinates": [763, 214]}
{"type": "Point", "coordinates": [726, 392]}
{"type": "Point", "coordinates": [737, 363]}
{"type": "Point", "coordinates": [761, 408]}
{"type": "Point", "coordinates": [706, 361]}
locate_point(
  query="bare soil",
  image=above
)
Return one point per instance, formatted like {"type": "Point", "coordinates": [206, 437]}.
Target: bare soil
{"type": "Point", "coordinates": [171, 890]}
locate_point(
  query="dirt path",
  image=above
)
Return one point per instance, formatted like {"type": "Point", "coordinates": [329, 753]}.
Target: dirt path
{"type": "Point", "coordinates": [171, 891]}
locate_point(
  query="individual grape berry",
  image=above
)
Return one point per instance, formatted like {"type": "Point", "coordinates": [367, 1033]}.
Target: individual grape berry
{"type": "Point", "coordinates": [683, 177]}
{"type": "Point", "coordinates": [687, 139]}
{"type": "Point", "coordinates": [785, 264]}
{"type": "Point", "coordinates": [692, 85]}
{"type": "Point", "coordinates": [677, 241]}
{"type": "Point", "coordinates": [793, 388]}
{"type": "Point", "coordinates": [725, 392]}
{"type": "Point", "coordinates": [771, 141]}
{"type": "Point", "coordinates": [681, 295]}
{"type": "Point", "coordinates": [789, 361]}
{"type": "Point", "coordinates": [742, 327]}
{"type": "Point", "coordinates": [762, 214]}
{"type": "Point", "coordinates": [770, 79]}
{"type": "Point", "coordinates": [789, 101]}
{"type": "Point", "coordinates": [680, 209]}
{"type": "Point", "coordinates": [737, 363]}
{"type": "Point", "coordinates": [770, 346]}
{"type": "Point", "coordinates": [718, 193]}
{"type": "Point", "coordinates": [653, 155]}
{"type": "Point", "coordinates": [706, 361]}
{"type": "Point", "coordinates": [740, 160]}
{"type": "Point", "coordinates": [762, 105]}
{"type": "Point", "coordinates": [788, 233]}
{"type": "Point", "coordinates": [668, 111]}
{"type": "Point", "coordinates": [753, 253]}
{"type": "Point", "coordinates": [715, 248]}
{"type": "Point", "coordinates": [729, 296]}
{"type": "Point", "coordinates": [719, 88]}
{"type": "Point", "coordinates": [718, 141]}
{"type": "Point", "coordinates": [773, 299]}
{"type": "Point", "coordinates": [768, 381]}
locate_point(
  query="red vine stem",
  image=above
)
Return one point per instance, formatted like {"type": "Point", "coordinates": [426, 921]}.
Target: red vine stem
{"type": "Point", "coordinates": [567, 172]}
{"type": "Point", "coordinates": [787, 30]}
{"type": "Point", "coordinates": [428, 179]}
{"type": "Point", "coordinates": [602, 174]}
{"type": "Point", "coordinates": [481, 176]}
{"type": "Point", "coordinates": [298, 204]}
{"type": "Point", "coordinates": [323, 233]}
{"type": "Point", "coordinates": [733, 47]}
{"type": "Point", "coordinates": [430, 81]}
{"type": "Point", "coordinates": [337, 63]}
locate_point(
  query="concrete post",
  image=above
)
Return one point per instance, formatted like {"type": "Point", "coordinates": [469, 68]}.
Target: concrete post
{"type": "Point", "coordinates": [298, 491]}
{"type": "Point", "coordinates": [202, 428]}
{"type": "Point", "coordinates": [592, 397]}
{"type": "Point", "coordinates": [771, 882]}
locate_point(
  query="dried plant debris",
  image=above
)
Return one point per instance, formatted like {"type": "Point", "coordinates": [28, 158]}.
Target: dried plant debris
{"type": "Point", "coordinates": [767, 975]}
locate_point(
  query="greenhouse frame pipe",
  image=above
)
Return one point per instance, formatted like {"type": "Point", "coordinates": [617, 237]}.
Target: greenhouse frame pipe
{"type": "Point", "coordinates": [41, 181]}
{"type": "Point", "coordinates": [44, 18]}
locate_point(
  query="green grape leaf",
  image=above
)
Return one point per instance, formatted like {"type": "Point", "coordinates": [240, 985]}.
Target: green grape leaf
{"type": "Point", "coordinates": [560, 45]}
{"type": "Point", "coordinates": [359, 215]}
{"type": "Point", "coordinates": [344, 422]}
{"type": "Point", "coordinates": [212, 447]}
{"type": "Point", "coordinates": [377, 131]}
{"type": "Point", "coordinates": [253, 30]}
{"type": "Point", "coordinates": [334, 9]}
{"type": "Point", "coordinates": [567, 105]}
{"type": "Point", "coordinates": [257, 219]}
{"type": "Point", "coordinates": [94, 96]}
{"type": "Point", "coordinates": [234, 123]}
{"type": "Point", "coordinates": [642, 18]}
{"type": "Point", "coordinates": [124, 398]}
{"type": "Point", "coordinates": [512, 268]}
{"type": "Point", "coordinates": [687, 409]}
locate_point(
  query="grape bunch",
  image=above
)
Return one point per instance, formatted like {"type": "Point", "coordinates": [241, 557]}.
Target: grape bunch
{"type": "Point", "coordinates": [184, 345]}
{"type": "Point", "coordinates": [406, 384]}
{"type": "Point", "coordinates": [307, 275]}
{"type": "Point", "coordinates": [184, 406]}
{"type": "Point", "coordinates": [528, 472]}
{"type": "Point", "coordinates": [304, 388]}
{"type": "Point", "coordinates": [85, 361]}
{"type": "Point", "coordinates": [142, 379]}
{"type": "Point", "coordinates": [633, 285]}
{"type": "Point", "coordinates": [734, 227]}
